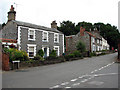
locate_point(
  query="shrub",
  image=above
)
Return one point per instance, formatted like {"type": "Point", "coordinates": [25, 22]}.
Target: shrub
{"type": "Point", "coordinates": [41, 53]}
{"type": "Point", "coordinates": [53, 54]}
{"type": "Point", "coordinates": [77, 54]}
{"type": "Point", "coordinates": [15, 54]}
{"type": "Point", "coordinates": [38, 58]}
{"type": "Point", "coordinates": [80, 46]}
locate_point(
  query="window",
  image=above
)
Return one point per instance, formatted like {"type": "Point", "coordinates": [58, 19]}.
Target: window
{"type": "Point", "coordinates": [56, 38]}
{"type": "Point", "coordinates": [56, 48]}
{"type": "Point", "coordinates": [31, 34]}
{"type": "Point", "coordinates": [31, 51]}
{"type": "Point", "coordinates": [45, 36]}
{"type": "Point", "coordinates": [93, 39]}
{"type": "Point", "coordinates": [97, 40]}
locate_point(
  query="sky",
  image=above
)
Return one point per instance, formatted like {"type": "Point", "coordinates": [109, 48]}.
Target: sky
{"type": "Point", "coordinates": [43, 12]}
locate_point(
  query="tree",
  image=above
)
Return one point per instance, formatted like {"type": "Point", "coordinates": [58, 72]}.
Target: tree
{"type": "Point", "coordinates": [67, 27]}
{"type": "Point", "coordinates": [80, 46]}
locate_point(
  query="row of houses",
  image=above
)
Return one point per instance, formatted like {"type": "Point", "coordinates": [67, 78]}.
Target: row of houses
{"type": "Point", "coordinates": [92, 40]}
{"type": "Point", "coordinates": [31, 38]}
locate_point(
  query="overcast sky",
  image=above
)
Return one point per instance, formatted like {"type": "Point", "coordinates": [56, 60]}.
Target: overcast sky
{"type": "Point", "coordinates": [43, 12]}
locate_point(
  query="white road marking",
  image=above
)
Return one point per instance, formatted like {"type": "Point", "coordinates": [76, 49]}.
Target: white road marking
{"type": "Point", "coordinates": [65, 83]}
{"type": "Point", "coordinates": [76, 84]}
{"type": "Point", "coordinates": [74, 80]}
{"type": "Point", "coordinates": [84, 80]}
{"type": "Point", "coordinates": [103, 67]}
{"type": "Point", "coordinates": [67, 87]}
{"type": "Point", "coordinates": [56, 86]}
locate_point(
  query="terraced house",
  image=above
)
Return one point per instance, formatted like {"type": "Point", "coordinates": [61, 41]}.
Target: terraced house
{"type": "Point", "coordinates": [92, 40]}
{"type": "Point", "coordinates": [31, 37]}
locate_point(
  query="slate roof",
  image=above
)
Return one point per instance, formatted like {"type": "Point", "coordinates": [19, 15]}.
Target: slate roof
{"type": "Point", "coordinates": [20, 23]}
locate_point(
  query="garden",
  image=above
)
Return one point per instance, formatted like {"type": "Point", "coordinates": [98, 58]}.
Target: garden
{"type": "Point", "coordinates": [38, 60]}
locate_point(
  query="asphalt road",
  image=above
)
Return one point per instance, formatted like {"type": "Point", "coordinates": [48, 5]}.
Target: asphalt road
{"type": "Point", "coordinates": [95, 72]}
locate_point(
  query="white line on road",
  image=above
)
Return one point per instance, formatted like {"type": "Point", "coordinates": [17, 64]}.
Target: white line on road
{"type": "Point", "coordinates": [74, 79]}
{"type": "Point", "coordinates": [65, 83]}
{"type": "Point", "coordinates": [56, 86]}
{"type": "Point", "coordinates": [67, 87]}
{"type": "Point", "coordinates": [103, 67]}
{"type": "Point", "coordinates": [76, 84]}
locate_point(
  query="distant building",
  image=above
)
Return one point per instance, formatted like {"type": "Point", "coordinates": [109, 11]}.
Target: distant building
{"type": "Point", "coordinates": [31, 38]}
{"type": "Point", "coordinates": [92, 41]}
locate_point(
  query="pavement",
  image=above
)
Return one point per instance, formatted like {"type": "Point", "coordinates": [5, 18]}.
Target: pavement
{"type": "Point", "coordinates": [95, 72]}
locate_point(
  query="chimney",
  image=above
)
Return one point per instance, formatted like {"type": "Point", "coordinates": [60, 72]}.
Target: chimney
{"type": "Point", "coordinates": [54, 25]}
{"type": "Point", "coordinates": [82, 31]}
{"type": "Point", "coordinates": [11, 14]}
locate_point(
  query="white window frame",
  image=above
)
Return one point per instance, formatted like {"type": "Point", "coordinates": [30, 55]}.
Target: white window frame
{"type": "Point", "coordinates": [31, 45]}
{"type": "Point", "coordinates": [44, 36]}
{"type": "Point", "coordinates": [93, 40]}
{"type": "Point", "coordinates": [58, 53]}
{"type": "Point", "coordinates": [56, 37]}
{"type": "Point", "coordinates": [33, 34]}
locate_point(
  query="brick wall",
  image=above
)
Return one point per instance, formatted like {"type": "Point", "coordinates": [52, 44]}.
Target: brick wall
{"type": "Point", "coordinates": [5, 62]}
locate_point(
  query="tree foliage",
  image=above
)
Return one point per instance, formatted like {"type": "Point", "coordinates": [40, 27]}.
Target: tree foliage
{"type": "Point", "coordinates": [80, 46]}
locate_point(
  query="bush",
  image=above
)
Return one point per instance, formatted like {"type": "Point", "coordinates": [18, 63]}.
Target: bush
{"type": "Point", "coordinates": [77, 54]}
{"type": "Point", "coordinates": [38, 58]}
{"type": "Point", "coordinates": [15, 54]}
{"type": "Point", "coordinates": [80, 46]}
{"type": "Point", "coordinates": [41, 53]}
{"type": "Point", "coordinates": [53, 54]}
{"type": "Point", "coordinates": [92, 54]}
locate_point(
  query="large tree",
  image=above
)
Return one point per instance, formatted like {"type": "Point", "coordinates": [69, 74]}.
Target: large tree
{"type": "Point", "coordinates": [67, 27]}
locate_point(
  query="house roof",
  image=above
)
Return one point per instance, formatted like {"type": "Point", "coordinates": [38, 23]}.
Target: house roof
{"type": "Point", "coordinates": [20, 23]}
{"type": "Point", "coordinates": [8, 40]}
{"type": "Point", "coordinates": [90, 34]}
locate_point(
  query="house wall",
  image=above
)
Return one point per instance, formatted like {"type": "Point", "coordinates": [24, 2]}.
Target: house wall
{"type": "Point", "coordinates": [10, 31]}
{"type": "Point", "coordinates": [38, 41]}
{"type": "Point", "coordinates": [71, 42]}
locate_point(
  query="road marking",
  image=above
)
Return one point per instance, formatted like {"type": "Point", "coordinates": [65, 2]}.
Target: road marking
{"type": "Point", "coordinates": [56, 86]}
{"type": "Point", "coordinates": [76, 84]}
{"type": "Point", "coordinates": [67, 87]}
{"type": "Point", "coordinates": [105, 74]}
{"type": "Point", "coordinates": [84, 80]}
{"type": "Point", "coordinates": [103, 67]}
{"type": "Point", "coordinates": [65, 83]}
{"type": "Point", "coordinates": [74, 80]}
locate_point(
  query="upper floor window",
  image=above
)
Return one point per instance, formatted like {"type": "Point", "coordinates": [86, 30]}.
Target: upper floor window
{"type": "Point", "coordinates": [45, 36]}
{"type": "Point", "coordinates": [93, 39]}
{"type": "Point", "coordinates": [31, 34]}
{"type": "Point", "coordinates": [56, 37]}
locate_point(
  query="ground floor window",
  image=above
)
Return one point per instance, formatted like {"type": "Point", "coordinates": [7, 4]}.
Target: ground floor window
{"type": "Point", "coordinates": [56, 48]}
{"type": "Point", "coordinates": [31, 50]}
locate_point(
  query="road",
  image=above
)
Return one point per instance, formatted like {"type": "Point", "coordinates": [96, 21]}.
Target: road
{"type": "Point", "coordinates": [95, 72]}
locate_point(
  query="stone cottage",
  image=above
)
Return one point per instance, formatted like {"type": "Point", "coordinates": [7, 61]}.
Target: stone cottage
{"type": "Point", "coordinates": [31, 38]}
{"type": "Point", "coordinates": [92, 40]}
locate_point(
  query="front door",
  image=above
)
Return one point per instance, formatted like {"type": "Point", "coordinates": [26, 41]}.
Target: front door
{"type": "Point", "coordinates": [45, 52]}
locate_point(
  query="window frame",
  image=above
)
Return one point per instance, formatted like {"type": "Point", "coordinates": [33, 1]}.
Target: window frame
{"type": "Point", "coordinates": [44, 36]}
{"type": "Point", "coordinates": [58, 53]}
{"type": "Point", "coordinates": [33, 34]}
{"type": "Point", "coordinates": [56, 37]}
{"type": "Point", "coordinates": [34, 52]}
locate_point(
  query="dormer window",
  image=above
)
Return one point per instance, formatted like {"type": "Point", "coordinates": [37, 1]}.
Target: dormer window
{"type": "Point", "coordinates": [31, 34]}
{"type": "Point", "coordinates": [45, 36]}
{"type": "Point", "coordinates": [56, 38]}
